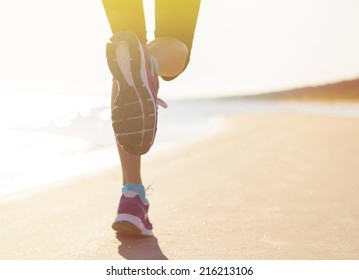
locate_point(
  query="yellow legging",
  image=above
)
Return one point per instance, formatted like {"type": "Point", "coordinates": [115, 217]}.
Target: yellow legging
{"type": "Point", "coordinates": [174, 18]}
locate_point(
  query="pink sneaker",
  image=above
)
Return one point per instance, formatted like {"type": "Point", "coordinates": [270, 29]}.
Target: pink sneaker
{"type": "Point", "coordinates": [132, 216]}
{"type": "Point", "coordinates": [134, 114]}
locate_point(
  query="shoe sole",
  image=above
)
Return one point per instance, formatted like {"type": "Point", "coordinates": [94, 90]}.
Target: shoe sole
{"type": "Point", "coordinates": [134, 113]}
{"type": "Point", "coordinates": [130, 226]}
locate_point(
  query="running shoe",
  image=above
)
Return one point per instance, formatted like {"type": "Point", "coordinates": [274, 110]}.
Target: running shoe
{"type": "Point", "coordinates": [132, 219]}
{"type": "Point", "coordinates": [134, 114]}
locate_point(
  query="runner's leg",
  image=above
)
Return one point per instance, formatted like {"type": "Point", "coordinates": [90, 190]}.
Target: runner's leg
{"type": "Point", "coordinates": [126, 15]}
{"type": "Point", "coordinates": [176, 20]}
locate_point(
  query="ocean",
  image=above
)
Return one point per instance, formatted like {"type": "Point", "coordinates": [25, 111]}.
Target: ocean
{"type": "Point", "coordinates": [46, 138]}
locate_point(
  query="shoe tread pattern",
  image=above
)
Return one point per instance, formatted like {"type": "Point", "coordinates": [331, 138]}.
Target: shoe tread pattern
{"type": "Point", "coordinates": [133, 114]}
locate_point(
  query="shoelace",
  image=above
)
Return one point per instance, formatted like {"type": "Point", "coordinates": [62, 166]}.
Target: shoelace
{"type": "Point", "coordinates": [162, 103]}
{"type": "Point", "coordinates": [149, 190]}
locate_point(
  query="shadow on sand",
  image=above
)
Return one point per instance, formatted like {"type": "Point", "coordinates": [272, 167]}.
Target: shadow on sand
{"type": "Point", "coordinates": [140, 248]}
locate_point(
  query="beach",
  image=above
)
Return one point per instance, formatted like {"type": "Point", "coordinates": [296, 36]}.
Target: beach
{"type": "Point", "coordinates": [271, 185]}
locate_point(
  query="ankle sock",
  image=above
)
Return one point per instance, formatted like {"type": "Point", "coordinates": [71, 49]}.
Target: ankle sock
{"type": "Point", "coordinates": [137, 188]}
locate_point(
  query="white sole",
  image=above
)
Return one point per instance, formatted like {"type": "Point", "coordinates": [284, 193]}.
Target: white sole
{"type": "Point", "coordinates": [128, 224]}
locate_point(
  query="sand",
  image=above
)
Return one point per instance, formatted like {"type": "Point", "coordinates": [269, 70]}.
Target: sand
{"type": "Point", "coordinates": [268, 186]}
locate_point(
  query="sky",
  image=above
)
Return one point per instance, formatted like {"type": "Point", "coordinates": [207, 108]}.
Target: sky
{"type": "Point", "coordinates": [240, 47]}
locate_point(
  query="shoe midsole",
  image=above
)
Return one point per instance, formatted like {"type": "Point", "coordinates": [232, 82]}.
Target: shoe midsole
{"type": "Point", "coordinates": [135, 221]}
